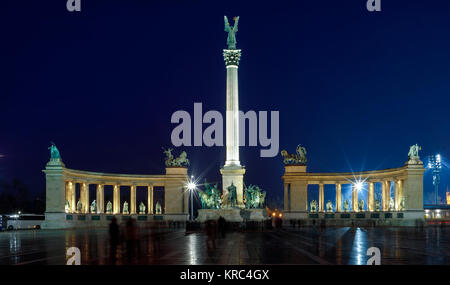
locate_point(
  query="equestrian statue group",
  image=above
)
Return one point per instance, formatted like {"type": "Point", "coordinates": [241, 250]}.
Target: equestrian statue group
{"type": "Point", "coordinates": [212, 198]}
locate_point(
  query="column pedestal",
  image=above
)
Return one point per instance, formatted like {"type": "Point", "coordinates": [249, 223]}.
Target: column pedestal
{"type": "Point", "coordinates": [235, 175]}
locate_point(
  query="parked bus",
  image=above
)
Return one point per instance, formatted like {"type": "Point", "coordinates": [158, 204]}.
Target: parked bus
{"type": "Point", "coordinates": [24, 221]}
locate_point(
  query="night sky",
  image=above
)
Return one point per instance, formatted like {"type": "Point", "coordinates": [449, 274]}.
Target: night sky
{"type": "Point", "coordinates": [356, 88]}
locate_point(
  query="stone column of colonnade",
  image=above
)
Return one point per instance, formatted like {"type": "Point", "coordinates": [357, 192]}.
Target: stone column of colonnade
{"type": "Point", "coordinates": [133, 199]}
{"type": "Point", "coordinates": [100, 199]}
{"type": "Point", "coordinates": [383, 195]}
{"type": "Point", "coordinates": [398, 193]}
{"type": "Point", "coordinates": [370, 196]}
{"type": "Point", "coordinates": [72, 196]}
{"type": "Point", "coordinates": [116, 199]}
{"type": "Point", "coordinates": [84, 197]}
{"type": "Point", "coordinates": [150, 199]}
{"type": "Point", "coordinates": [338, 197]}
{"type": "Point", "coordinates": [354, 198]}
{"type": "Point", "coordinates": [321, 198]}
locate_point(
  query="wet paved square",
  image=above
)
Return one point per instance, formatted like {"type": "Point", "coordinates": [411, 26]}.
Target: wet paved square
{"type": "Point", "coordinates": [346, 245]}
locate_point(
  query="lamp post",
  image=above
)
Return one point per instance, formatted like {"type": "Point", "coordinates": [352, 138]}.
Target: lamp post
{"type": "Point", "coordinates": [191, 187]}
{"type": "Point", "coordinates": [434, 163]}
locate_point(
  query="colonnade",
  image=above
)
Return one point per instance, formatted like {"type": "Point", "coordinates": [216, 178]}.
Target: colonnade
{"type": "Point", "coordinates": [100, 198]}
{"type": "Point", "coordinates": [408, 189]}
{"type": "Point", "coordinates": [356, 195]}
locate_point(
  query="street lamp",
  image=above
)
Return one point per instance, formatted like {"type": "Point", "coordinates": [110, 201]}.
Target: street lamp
{"type": "Point", "coordinates": [191, 187]}
{"type": "Point", "coordinates": [434, 163]}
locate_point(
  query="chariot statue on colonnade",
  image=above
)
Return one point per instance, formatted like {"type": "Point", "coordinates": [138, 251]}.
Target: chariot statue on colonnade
{"type": "Point", "coordinates": [298, 158]}
{"type": "Point", "coordinates": [181, 160]}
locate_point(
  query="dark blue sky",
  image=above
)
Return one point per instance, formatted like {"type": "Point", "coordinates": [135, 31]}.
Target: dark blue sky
{"type": "Point", "coordinates": [356, 88]}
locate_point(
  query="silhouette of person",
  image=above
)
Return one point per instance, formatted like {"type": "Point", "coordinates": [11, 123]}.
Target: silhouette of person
{"type": "Point", "coordinates": [222, 226]}
{"type": "Point", "coordinates": [210, 230]}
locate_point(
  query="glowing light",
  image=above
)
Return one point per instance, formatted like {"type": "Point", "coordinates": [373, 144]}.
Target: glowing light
{"type": "Point", "coordinates": [280, 215]}
{"type": "Point", "coordinates": [273, 214]}
{"type": "Point", "coordinates": [358, 185]}
{"type": "Point", "coordinates": [191, 185]}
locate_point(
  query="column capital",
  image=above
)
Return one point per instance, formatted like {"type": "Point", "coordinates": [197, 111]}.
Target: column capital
{"type": "Point", "coordinates": [232, 57]}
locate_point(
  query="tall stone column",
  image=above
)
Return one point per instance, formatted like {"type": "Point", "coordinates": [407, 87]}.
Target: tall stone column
{"type": "Point", "coordinates": [232, 172]}
{"type": "Point", "coordinates": [354, 198]}
{"type": "Point", "coordinates": [398, 195]}
{"type": "Point", "coordinates": [150, 199]}
{"type": "Point", "coordinates": [116, 194]}
{"type": "Point", "coordinates": [133, 199]}
{"type": "Point", "coordinates": [85, 197]}
{"type": "Point", "coordinates": [383, 195]}
{"type": "Point", "coordinates": [338, 197]}
{"type": "Point", "coordinates": [100, 199]}
{"type": "Point", "coordinates": [73, 197]}
{"type": "Point", "coordinates": [370, 196]}
{"type": "Point", "coordinates": [321, 197]}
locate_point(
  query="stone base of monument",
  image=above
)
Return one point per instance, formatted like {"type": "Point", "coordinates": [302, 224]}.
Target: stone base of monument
{"type": "Point", "coordinates": [232, 215]}
{"type": "Point", "coordinates": [408, 218]}
{"type": "Point", "coordinates": [55, 221]}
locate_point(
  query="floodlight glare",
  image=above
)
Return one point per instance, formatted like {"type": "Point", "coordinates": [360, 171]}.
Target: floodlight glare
{"type": "Point", "coordinates": [191, 186]}
{"type": "Point", "coordinates": [358, 186]}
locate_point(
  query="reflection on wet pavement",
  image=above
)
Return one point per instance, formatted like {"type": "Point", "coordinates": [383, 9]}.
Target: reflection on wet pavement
{"type": "Point", "coordinates": [282, 246]}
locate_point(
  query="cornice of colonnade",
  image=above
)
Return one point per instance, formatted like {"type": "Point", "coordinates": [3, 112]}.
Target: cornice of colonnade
{"type": "Point", "coordinates": [389, 174]}
{"type": "Point", "coordinates": [119, 179]}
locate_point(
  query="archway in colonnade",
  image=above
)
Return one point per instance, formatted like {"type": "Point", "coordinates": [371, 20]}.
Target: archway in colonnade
{"type": "Point", "coordinates": [362, 195]}
{"type": "Point", "coordinates": [92, 192]}
{"type": "Point", "coordinates": [125, 195]}
{"type": "Point", "coordinates": [108, 191]}
{"type": "Point", "coordinates": [313, 194]}
{"type": "Point", "coordinates": [142, 196]}
{"type": "Point", "coordinates": [391, 191]}
{"type": "Point", "coordinates": [329, 194]}
{"type": "Point", "coordinates": [77, 195]}
{"type": "Point", "coordinates": [159, 196]}
{"type": "Point", "coordinates": [377, 194]}
{"type": "Point", "coordinates": [346, 194]}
